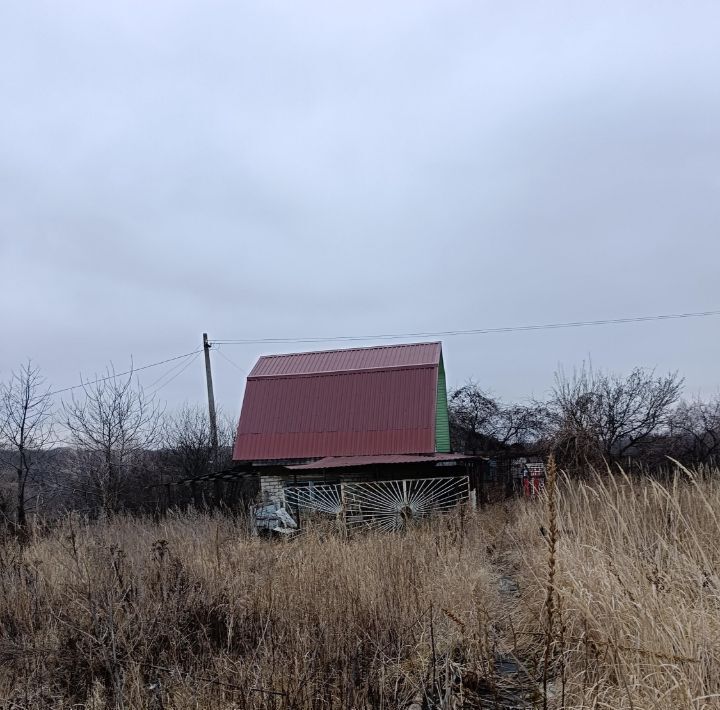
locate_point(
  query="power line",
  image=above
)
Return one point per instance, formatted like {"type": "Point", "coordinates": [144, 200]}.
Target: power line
{"type": "Point", "coordinates": [234, 364]}
{"type": "Point", "coordinates": [382, 336]}
{"type": "Point", "coordinates": [177, 374]}
{"type": "Point", "coordinates": [474, 331]}
{"type": "Point", "coordinates": [122, 374]}
{"type": "Point", "coordinates": [180, 364]}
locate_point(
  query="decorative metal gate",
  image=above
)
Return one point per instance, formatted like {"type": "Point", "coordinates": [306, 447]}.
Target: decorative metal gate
{"type": "Point", "coordinates": [382, 505]}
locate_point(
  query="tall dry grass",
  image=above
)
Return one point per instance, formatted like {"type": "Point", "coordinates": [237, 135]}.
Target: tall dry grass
{"type": "Point", "coordinates": [460, 612]}
{"type": "Point", "coordinates": [636, 591]}
{"type": "Point", "coordinates": [132, 614]}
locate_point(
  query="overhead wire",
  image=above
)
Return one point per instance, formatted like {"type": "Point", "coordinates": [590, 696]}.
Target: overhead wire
{"type": "Point", "coordinates": [122, 374]}
{"type": "Point", "coordinates": [473, 331]}
{"type": "Point", "coordinates": [234, 364]}
{"type": "Point", "coordinates": [177, 374]}
{"type": "Point", "coordinates": [179, 364]}
{"type": "Point", "coordinates": [182, 366]}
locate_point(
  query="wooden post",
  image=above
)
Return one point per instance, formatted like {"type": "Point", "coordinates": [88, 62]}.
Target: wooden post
{"type": "Point", "coordinates": [476, 481]}
{"type": "Point", "coordinates": [342, 515]}
{"type": "Point", "coordinates": [211, 404]}
{"type": "Point", "coordinates": [481, 473]}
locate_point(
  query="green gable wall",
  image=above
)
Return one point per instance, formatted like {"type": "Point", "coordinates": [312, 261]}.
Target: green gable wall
{"type": "Point", "coordinates": [442, 425]}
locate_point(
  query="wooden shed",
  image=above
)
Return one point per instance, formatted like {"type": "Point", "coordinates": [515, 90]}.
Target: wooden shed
{"type": "Point", "coordinates": [348, 416]}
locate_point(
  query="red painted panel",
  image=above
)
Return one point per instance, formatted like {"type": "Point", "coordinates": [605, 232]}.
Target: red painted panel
{"type": "Point", "coordinates": [371, 411]}
{"type": "Point", "coordinates": [351, 359]}
{"type": "Point", "coordinates": [259, 447]}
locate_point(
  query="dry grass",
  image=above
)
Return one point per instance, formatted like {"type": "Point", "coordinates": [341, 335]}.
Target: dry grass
{"type": "Point", "coordinates": [192, 613]}
{"type": "Point", "coordinates": [636, 590]}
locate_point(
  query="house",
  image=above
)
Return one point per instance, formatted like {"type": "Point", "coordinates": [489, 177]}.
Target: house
{"type": "Point", "coordinates": [343, 417]}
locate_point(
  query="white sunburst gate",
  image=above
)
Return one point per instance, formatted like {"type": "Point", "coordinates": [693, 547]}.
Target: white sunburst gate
{"type": "Point", "coordinates": [381, 505]}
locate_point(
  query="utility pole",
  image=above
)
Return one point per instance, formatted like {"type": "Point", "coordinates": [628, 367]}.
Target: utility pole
{"type": "Point", "coordinates": [211, 404]}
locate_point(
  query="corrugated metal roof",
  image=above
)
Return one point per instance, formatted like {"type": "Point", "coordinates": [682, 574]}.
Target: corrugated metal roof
{"type": "Point", "coordinates": [350, 359]}
{"type": "Point", "coordinates": [354, 461]}
{"type": "Point", "coordinates": [363, 401]}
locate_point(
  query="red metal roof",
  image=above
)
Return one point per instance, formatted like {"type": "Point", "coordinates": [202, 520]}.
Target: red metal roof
{"type": "Point", "coordinates": [353, 461]}
{"type": "Point", "coordinates": [361, 401]}
{"type": "Point", "coordinates": [349, 360]}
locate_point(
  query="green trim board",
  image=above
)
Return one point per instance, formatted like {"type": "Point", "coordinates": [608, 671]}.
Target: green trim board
{"type": "Point", "coordinates": [442, 423]}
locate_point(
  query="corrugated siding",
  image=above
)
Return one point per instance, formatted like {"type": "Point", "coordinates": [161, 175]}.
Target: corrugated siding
{"type": "Point", "coordinates": [383, 357]}
{"type": "Point", "coordinates": [342, 414]}
{"type": "Point", "coordinates": [442, 423]}
{"type": "Point", "coordinates": [294, 445]}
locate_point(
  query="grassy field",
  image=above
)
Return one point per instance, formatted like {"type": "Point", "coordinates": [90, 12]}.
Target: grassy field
{"type": "Point", "coordinates": [604, 595]}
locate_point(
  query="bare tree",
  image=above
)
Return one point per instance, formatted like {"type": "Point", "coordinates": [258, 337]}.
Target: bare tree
{"type": "Point", "coordinates": [695, 430]}
{"type": "Point", "coordinates": [112, 426]}
{"type": "Point", "coordinates": [26, 428]}
{"type": "Point", "coordinates": [186, 453]}
{"type": "Point", "coordinates": [523, 425]}
{"type": "Point", "coordinates": [599, 415]}
{"type": "Point", "coordinates": [186, 443]}
{"type": "Point", "coordinates": [472, 413]}
{"type": "Point", "coordinates": [481, 423]}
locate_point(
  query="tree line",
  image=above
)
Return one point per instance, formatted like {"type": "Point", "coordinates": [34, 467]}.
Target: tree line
{"type": "Point", "coordinates": [593, 418]}
{"type": "Point", "coordinates": [108, 448]}
{"type": "Point", "coordinates": [112, 446]}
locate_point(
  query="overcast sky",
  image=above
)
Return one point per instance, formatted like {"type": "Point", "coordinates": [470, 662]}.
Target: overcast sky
{"type": "Point", "coordinates": [299, 169]}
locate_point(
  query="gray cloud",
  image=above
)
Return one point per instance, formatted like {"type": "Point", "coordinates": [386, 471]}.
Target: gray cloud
{"type": "Point", "coordinates": [291, 169]}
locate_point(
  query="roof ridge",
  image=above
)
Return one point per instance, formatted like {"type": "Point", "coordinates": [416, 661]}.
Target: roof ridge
{"type": "Point", "coordinates": [353, 349]}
